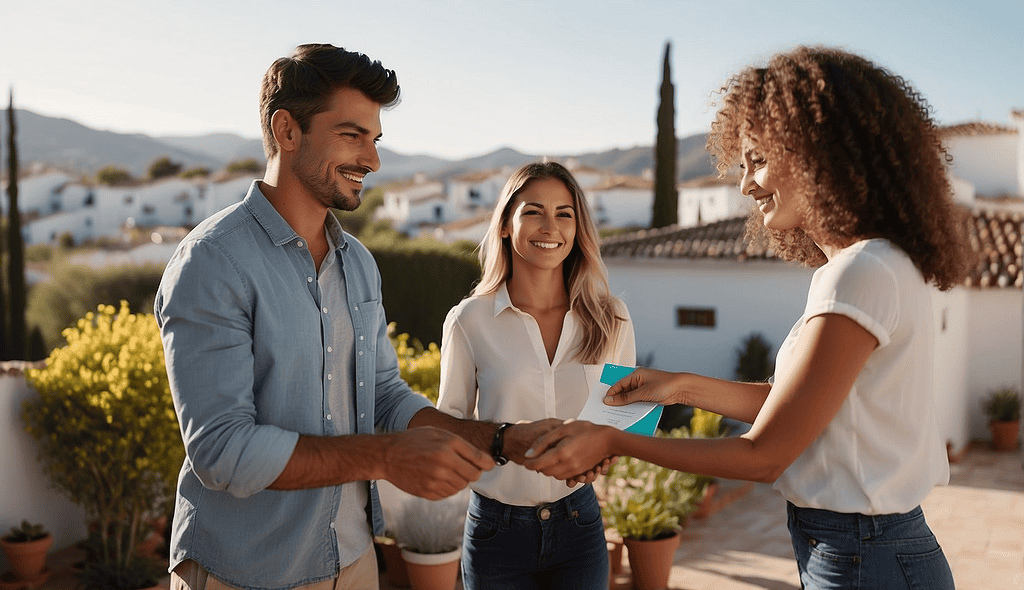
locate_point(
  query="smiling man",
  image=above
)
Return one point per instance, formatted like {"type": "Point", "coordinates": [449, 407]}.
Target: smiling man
{"type": "Point", "coordinates": [280, 365]}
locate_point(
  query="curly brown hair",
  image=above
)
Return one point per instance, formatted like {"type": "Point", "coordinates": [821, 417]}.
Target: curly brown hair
{"type": "Point", "coordinates": [860, 143]}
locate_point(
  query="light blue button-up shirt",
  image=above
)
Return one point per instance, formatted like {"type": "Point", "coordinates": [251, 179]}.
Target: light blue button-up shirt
{"type": "Point", "coordinates": [243, 325]}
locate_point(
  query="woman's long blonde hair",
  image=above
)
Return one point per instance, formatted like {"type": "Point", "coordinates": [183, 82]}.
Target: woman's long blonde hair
{"type": "Point", "coordinates": [586, 278]}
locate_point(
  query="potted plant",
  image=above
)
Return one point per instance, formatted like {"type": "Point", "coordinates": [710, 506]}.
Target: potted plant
{"type": "Point", "coordinates": [25, 548]}
{"type": "Point", "coordinates": [1002, 406]}
{"type": "Point", "coordinates": [109, 438]}
{"type": "Point", "coordinates": [647, 505]}
{"type": "Point", "coordinates": [429, 533]}
{"type": "Point", "coordinates": [394, 564]}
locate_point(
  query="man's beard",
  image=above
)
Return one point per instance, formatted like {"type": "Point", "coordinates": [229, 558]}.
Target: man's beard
{"type": "Point", "coordinates": [325, 188]}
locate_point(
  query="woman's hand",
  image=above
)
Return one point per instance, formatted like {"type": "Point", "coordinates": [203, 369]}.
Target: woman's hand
{"type": "Point", "coordinates": [645, 385]}
{"type": "Point", "coordinates": [572, 450]}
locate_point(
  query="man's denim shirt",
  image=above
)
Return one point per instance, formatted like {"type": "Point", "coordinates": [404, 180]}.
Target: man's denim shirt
{"type": "Point", "coordinates": [242, 327]}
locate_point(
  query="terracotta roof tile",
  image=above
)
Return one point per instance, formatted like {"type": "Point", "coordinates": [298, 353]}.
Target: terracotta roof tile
{"type": "Point", "coordinates": [976, 128]}
{"type": "Point", "coordinates": [995, 237]}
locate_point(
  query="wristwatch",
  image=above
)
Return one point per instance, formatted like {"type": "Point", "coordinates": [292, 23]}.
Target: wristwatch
{"type": "Point", "coordinates": [498, 445]}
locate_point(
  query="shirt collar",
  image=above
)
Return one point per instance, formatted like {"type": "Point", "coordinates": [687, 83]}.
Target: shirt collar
{"type": "Point", "coordinates": [502, 301]}
{"type": "Point", "coordinates": [277, 228]}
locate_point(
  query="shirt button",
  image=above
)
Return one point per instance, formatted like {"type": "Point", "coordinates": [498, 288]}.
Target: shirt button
{"type": "Point", "coordinates": [360, 384]}
{"type": "Point", "coordinates": [328, 416]}
{"type": "Point", "coordinates": [330, 376]}
{"type": "Point", "coordinates": [361, 338]}
{"type": "Point", "coordinates": [332, 525]}
{"type": "Point", "coordinates": [360, 353]}
{"type": "Point", "coordinates": [362, 415]}
{"type": "Point", "coordinates": [330, 349]}
{"type": "Point", "coordinates": [309, 279]}
{"type": "Point", "coordinates": [357, 308]}
{"type": "Point", "coordinates": [325, 310]}
{"type": "Point", "coordinates": [299, 243]}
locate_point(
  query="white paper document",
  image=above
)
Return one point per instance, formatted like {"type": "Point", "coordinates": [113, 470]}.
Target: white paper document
{"type": "Point", "coordinates": [638, 417]}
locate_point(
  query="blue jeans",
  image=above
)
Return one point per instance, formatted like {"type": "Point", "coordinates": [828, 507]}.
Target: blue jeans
{"type": "Point", "coordinates": [557, 546]}
{"type": "Point", "coordinates": [888, 551]}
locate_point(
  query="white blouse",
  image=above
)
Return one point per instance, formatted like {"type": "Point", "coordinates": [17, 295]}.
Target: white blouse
{"type": "Point", "coordinates": [882, 452]}
{"type": "Point", "coordinates": [494, 367]}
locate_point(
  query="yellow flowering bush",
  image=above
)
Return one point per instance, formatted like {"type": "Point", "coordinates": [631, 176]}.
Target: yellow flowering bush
{"type": "Point", "coordinates": [108, 432]}
{"type": "Point", "coordinates": [419, 366]}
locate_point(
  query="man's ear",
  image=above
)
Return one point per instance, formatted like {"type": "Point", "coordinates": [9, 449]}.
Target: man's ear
{"type": "Point", "coordinates": [286, 130]}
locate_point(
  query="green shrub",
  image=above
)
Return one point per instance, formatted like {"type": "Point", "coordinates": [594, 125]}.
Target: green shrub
{"type": "Point", "coordinates": [74, 290]}
{"type": "Point", "coordinates": [108, 433]}
{"type": "Point", "coordinates": [753, 362]}
{"type": "Point", "coordinates": [644, 501]}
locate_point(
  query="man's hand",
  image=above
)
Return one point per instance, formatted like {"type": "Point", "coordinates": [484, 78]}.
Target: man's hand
{"type": "Point", "coordinates": [432, 463]}
{"type": "Point", "coordinates": [520, 436]}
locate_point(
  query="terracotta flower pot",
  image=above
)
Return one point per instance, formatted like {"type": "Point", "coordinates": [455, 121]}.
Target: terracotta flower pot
{"type": "Point", "coordinates": [1004, 435]}
{"type": "Point", "coordinates": [28, 558]}
{"type": "Point", "coordinates": [651, 561]}
{"type": "Point", "coordinates": [707, 502]}
{"type": "Point", "coordinates": [432, 571]}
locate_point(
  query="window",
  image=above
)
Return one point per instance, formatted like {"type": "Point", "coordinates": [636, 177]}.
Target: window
{"type": "Point", "coordinates": [699, 317]}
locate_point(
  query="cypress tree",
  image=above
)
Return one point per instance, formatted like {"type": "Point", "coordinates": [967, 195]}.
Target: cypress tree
{"type": "Point", "coordinates": [15, 248]}
{"type": "Point", "coordinates": [5, 340]}
{"type": "Point", "coordinates": [666, 200]}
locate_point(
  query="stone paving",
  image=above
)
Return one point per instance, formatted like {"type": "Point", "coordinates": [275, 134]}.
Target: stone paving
{"type": "Point", "coordinates": [978, 519]}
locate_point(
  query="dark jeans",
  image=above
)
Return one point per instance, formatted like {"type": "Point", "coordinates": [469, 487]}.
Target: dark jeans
{"type": "Point", "coordinates": [888, 551]}
{"type": "Point", "coordinates": [557, 546]}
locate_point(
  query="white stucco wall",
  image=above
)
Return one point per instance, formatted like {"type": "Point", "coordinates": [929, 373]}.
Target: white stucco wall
{"type": "Point", "coordinates": [622, 207]}
{"type": "Point", "coordinates": [989, 162]}
{"type": "Point", "coordinates": [951, 388]}
{"type": "Point", "coordinates": [711, 203]}
{"type": "Point", "coordinates": [25, 493]}
{"type": "Point", "coordinates": [995, 349]}
{"type": "Point", "coordinates": [754, 296]}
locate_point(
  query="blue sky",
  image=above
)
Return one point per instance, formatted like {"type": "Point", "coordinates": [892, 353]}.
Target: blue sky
{"type": "Point", "coordinates": [546, 78]}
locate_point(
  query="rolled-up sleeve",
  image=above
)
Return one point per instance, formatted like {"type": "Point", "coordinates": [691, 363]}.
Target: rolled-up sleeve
{"type": "Point", "coordinates": [202, 307]}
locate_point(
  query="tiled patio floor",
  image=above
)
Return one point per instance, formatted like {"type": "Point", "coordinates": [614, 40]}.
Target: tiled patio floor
{"type": "Point", "coordinates": [978, 519]}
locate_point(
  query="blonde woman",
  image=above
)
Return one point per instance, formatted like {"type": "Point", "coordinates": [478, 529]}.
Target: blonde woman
{"type": "Point", "coordinates": [847, 173]}
{"type": "Point", "coordinates": [514, 351]}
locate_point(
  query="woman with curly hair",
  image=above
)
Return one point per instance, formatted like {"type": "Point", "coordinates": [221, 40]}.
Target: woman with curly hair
{"type": "Point", "coordinates": [847, 173]}
{"type": "Point", "coordinates": [517, 350]}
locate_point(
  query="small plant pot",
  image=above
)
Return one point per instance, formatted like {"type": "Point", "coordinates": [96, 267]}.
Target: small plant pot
{"type": "Point", "coordinates": [28, 558]}
{"type": "Point", "coordinates": [394, 565]}
{"type": "Point", "coordinates": [651, 561]}
{"type": "Point", "coordinates": [432, 571]}
{"type": "Point", "coordinates": [1004, 435]}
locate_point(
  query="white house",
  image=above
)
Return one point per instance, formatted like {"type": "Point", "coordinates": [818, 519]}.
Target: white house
{"type": "Point", "coordinates": [408, 205]}
{"type": "Point", "coordinates": [53, 204]}
{"type": "Point", "coordinates": [709, 199]}
{"type": "Point", "coordinates": [621, 201]}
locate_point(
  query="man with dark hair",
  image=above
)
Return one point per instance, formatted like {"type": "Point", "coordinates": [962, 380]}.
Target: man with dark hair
{"type": "Point", "coordinates": [285, 383]}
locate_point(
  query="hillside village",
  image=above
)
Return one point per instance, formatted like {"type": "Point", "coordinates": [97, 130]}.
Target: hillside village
{"type": "Point", "coordinates": [695, 290]}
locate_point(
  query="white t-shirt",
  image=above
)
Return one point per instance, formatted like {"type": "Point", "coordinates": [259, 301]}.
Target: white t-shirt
{"type": "Point", "coordinates": [882, 452]}
{"type": "Point", "coordinates": [494, 367]}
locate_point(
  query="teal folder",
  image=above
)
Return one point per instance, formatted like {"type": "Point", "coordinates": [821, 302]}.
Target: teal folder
{"type": "Point", "coordinates": [649, 423]}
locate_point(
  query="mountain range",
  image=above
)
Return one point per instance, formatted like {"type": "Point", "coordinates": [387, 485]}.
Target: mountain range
{"type": "Point", "coordinates": [71, 146]}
